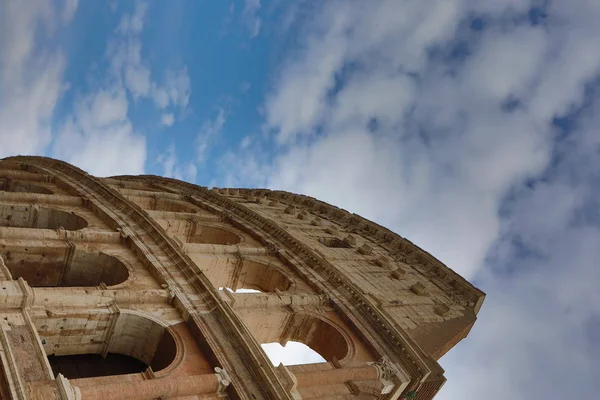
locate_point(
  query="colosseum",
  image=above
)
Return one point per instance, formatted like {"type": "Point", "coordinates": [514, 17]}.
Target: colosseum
{"type": "Point", "coordinates": [143, 287]}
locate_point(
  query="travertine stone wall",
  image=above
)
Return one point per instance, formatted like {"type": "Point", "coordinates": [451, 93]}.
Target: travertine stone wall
{"type": "Point", "coordinates": [148, 268]}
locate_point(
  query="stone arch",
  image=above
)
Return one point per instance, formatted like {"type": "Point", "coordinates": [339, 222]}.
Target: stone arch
{"type": "Point", "coordinates": [147, 339]}
{"type": "Point", "coordinates": [214, 235]}
{"type": "Point", "coordinates": [60, 267]}
{"type": "Point", "coordinates": [248, 274]}
{"type": "Point", "coordinates": [320, 335]}
{"type": "Point", "coordinates": [136, 341]}
{"type": "Point", "coordinates": [33, 216]}
{"type": "Point", "coordinates": [9, 185]}
{"type": "Point", "coordinates": [262, 277]}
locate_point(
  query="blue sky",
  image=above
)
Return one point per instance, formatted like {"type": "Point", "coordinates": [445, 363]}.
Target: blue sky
{"type": "Point", "coordinates": [469, 127]}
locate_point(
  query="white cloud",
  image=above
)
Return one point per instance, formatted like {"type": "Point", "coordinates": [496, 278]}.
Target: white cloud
{"type": "Point", "coordinates": [250, 17]}
{"type": "Point", "coordinates": [69, 10]}
{"type": "Point", "coordinates": [133, 23]}
{"type": "Point", "coordinates": [167, 119]}
{"type": "Point", "coordinates": [246, 141]}
{"type": "Point", "coordinates": [173, 169]}
{"type": "Point", "coordinates": [376, 112]}
{"type": "Point", "coordinates": [31, 74]}
{"type": "Point", "coordinates": [98, 135]}
{"type": "Point", "coordinates": [189, 172]}
{"type": "Point", "coordinates": [175, 91]}
{"type": "Point", "coordinates": [168, 159]}
{"type": "Point", "coordinates": [99, 138]}
{"type": "Point", "coordinates": [209, 132]}
{"type": "Point", "coordinates": [125, 54]}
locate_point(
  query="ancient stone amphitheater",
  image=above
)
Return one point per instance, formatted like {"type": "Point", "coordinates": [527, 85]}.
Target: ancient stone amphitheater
{"type": "Point", "coordinates": [129, 288]}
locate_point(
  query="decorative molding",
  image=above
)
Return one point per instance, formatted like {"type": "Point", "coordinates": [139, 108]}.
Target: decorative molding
{"type": "Point", "coordinates": [224, 381]}
{"type": "Point", "coordinates": [402, 248]}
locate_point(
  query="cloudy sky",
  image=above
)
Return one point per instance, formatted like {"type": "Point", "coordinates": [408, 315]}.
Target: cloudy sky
{"type": "Point", "coordinates": [469, 127]}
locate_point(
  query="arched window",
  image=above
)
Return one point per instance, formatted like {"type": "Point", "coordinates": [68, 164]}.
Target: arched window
{"type": "Point", "coordinates": [136, 343]}
{"type": "Point", "coordinates": [319, 335]}
{"type": "Point", "coordinates": [53, 267]}
{"type": "Point", "coordinates": [250, 275]}
{"type": "Point", "coordinates": [28, 216]}
{"type": "Point", "coordinates": [286, 338]}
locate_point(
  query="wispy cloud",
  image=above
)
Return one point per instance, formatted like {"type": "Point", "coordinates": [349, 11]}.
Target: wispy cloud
{"type": "Point", "coordinates": [167, 119]}
{"type": "Point", "coordinates": [209, 132]}
{"type": "Point", "coordinates": [438, 119]}
{"type": "Point", "coordinates": [251, 18]}
{"type": "Point", "coordinates": [173, 169]}
{"type": "Point", "coordinates": [31, 73]}
{"type": "Point", "coordinates": [98, 135]}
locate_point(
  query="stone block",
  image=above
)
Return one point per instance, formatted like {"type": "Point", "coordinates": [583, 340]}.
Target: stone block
{"type": "Point", "coordinates": [441, 309]}
{"type": "Point", "coordinates": [332, 230]}
{"type": "Point", "coordinates": [418, 288]}
{"type": "Point", "coordinates": [350, 240]}
{"type": "Point", "coordinates": [365, 249]}
{"type": "Point", "coordinates": [383, 262]}
{"type": "Point", "coordinates": [290, 210]}
{"type": "Point", "coordinates": [398, 273]}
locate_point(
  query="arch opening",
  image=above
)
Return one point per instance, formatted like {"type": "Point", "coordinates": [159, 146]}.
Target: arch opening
{"type": "Point", "coordinates": [293, 353]}
{"type": "Point", "coordinates": [261, 277]}
{"type": "Point", "coordinates": [214, 235]}
{"type": "Point", "coordinates": [240, 290]}
{"type": "Point", "coordinates": [251, 277]}
{"type": "Point", "coordinates": [8, 185]}
{"type": "Point", "coordinates": [76, 366]}
{"type": "Point", "coordinates": [28, 216]}
{"type": "Point", "coordinates": [136, 344]}
{"type": "Point", "coordinates": [318, 335]}
{"type": "Point", "coordinates": [53, 267]}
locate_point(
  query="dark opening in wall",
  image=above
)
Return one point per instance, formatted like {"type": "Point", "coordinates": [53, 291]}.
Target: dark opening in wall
{"type": "Point", "coordinates": [250, 276]}
{"type": "Point", "coordinates": [77, 366]}
{"type": "Point", "coordinates": [9, 185]}
{"type": "Point", "coordinates": [74, 346]}
{"type": "Point", "coordinates": [29, 216]}
{"type": "Point", "coordinates": [55, 267]}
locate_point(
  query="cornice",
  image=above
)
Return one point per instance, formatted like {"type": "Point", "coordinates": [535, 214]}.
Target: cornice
{"type": "Point", "coordinates": [399, 247]}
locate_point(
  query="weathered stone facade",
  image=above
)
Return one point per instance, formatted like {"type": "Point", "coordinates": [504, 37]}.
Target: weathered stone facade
{"type": "Point", "coordinates": [113, 289]}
